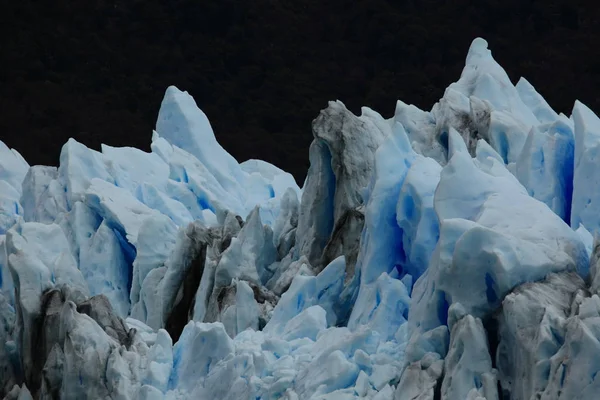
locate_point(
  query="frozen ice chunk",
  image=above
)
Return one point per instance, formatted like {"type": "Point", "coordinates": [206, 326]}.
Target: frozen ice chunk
{"type": "Point", "coordinates": [154, 198]}
{"type": "Point", "coordinates": [586, 196]}
{"type": "Point", "coordinates": [247, 311]}
{"type": "Point", "coordinates": [7, 322]}
{"type": "Point", "coordinates": [120, 208]}
{"type": "Point", "coordinates": [342, 157]}
{"type": "Point", "coordinates": [419, 380]}
{"type": "Point", "coordinates": [10, 208]}
{"type": "Point", "coordinates": [284, 228]}
{"type": "Point", "coordinates": [43, 196]}
{"type": "Point", "coordinates": [19, 393]}
{"type": "Point", "coordinates": [545, 166]}
{"type": "Point", "coordinates": [532, 328]}
{"type": "Point", "coordinates": [106, 269]}
{"type": "Point", "coordinates": [48, 244]}
{"type": "Point", "coordinates": [316, 218]}
{"type": "Point", "coordinates": [535, 102]}
{"type": "Point", "coordinates": [201, 347]}
{"type": "Point", "coordinates": [249, 254]}
{"type": "Point", "coordinates": [13, 167]}
{"type": "Point", "coordinates": [386, 309]}
{"type": "Point", "coordinates": [160, 362]}
{"type": "Point", "coordinates": [497, 225]}
{"type": "Point", "coordinates": [78, 166]}
{"type": "Point", "coordinates": [420, 127]}
{"type": "Point", "coordinates": [307, 291]}
{"type": "Point", "coordinates": [149, 308]}
{"type": "Point", "coordinates": [125, 165]}
{"type": "Point", "coordinates": [87, 351]}
{"type": "Point", "coordinates": [587, 239]}
{"type": "Point", "coordinates": [509, 117]}
{"type": "Point", "coordinates": [484, 78]}
{"type": "Point", "coordinates": [209, 191]}
{"type": "Point", "coordinates": [276, 179]}
{"type": "Point", "coordinates": [186, 259]}
{"type": "Point", "coordinates": [156, 241]}
{"type": "Point", "coordinates": [184, 125]}
{"type": "Point", "coordinates": [243, 313]}
{"type": "Point", "coordinates": [468, 365]}
{"type": "Point", "coordinates": [381, 243]}
{"type": "Point", "coordinates": [379, 246]}
{"type": "Point", "coordinates": [416, 216]}
{"type": "Point", "coordinates": [306, 324]}
{"type": "Point", "coordinates": [332, 371]}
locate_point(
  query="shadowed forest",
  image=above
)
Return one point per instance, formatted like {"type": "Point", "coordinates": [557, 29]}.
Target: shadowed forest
{"type": "Point", "coordinates": [261, 70]}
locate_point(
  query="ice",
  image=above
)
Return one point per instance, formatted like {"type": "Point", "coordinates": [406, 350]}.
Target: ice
{"type": "Point", "coordinates": [10, 208]}
{"type": "Point", "coordinates": [124, 165]}
{"type": "Point", "coordinates": [342, 158]}
{"type": "Point", "coordinates": [535, 102]}
{"type": "Point", "coordinates": [496, 242]}
{"type": "Point", "coordinates": [78, 166]}
{"type": "Point", "coordinates": [152, 197]}
{"type": "Point", "coordinates": [7, 321]}
{"type": "Point", "coordinates": [118, 207]}
{"type": "Point", "coordinates": [333, 371]}
{"type": "Point", "coordinates": [468, 365]}
{"type": "Point", "coordinates": [416, 216]}
{"type": "Point", "coordinates": [585, 180]}
{"type": "Point", "coordinates": [184, 125]}
{"type": "Point", "coordinates": [43, 198]}
{"type": "Point", "coordinates": [307, 291]}
{"type": "Point", "coordinates": [538, 312]}
{"type": "Point", "coordinates": [160, 362]}
{"type": "Point", "coordinates": [105, 268]}
{"type": "Point", "coordinates": [249, 254]}
{"type": "Point", "coordinates": [386, 306]}
{"type": "Point", "coordinates": [185, 140]}
{"type": "Point", "coordinates": [307, 324]}
{"type": "Point", "coordinates": [13, 167]}
{"type": "Point", "coordinates": [442, 254]}
{"type": "Point", "coordinates": [545, 166]}
{"type": "Point", "coordinates": [155, 243]}
{"type": "Point", "coordinates": [200, 347]}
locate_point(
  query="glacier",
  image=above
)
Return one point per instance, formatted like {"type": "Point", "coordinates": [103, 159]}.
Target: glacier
{"type": "Point", "coordinates": [443, 254]}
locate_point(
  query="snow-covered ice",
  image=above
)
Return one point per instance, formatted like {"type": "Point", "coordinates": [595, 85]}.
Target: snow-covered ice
{"type": "Point", "coordinates": [450, 253]}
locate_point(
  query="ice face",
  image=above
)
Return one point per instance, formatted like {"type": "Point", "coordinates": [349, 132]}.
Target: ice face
{"type": "Point", "coordinates": [451, 253]}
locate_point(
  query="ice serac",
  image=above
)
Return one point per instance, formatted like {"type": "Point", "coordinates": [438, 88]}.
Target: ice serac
{"type": "Point", "coordinates": [487, 106]}
{"type": "Point", "coordinates": [488, 219]}
{"type": "Point", "coordinates": [123, 163]}
{"type": "Point", "coordinates": [586, 195]}
{"type": "Point", "coordinates": [156, 241]}
{"type": "Point", "coordinates": [401, 227]}
{"type": "Point", "coordinates": [13, 167]}
{"type": "Point", "coordinates": [200, 347]}
{"type": "Point", "coordinates": [184, 125]}
{"type": "Point", "coordinates": [7, 322]}
{"type": "Point", "coordinates": [342, 159]}
{"type": "Point", "coordinates": [545, 166]}
{"type": "Point", "coordinates": [468, 371]}
{"type": "Point", "coordinates": [10, 208]}
{"type": "Point", "coordinates": [43, 198]}
{"type": "Point", "coordinates": [39, 260]}
{"type": "Point", "coordinates": [531, 330]}
{"type": "Point", "coordinates": [535, 102]}
{"type": "Point", "coordinates": [78, 166]}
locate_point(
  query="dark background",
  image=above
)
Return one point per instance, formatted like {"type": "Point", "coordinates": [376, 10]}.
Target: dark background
{"type": "Point", "coordinates": [261, 70]}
